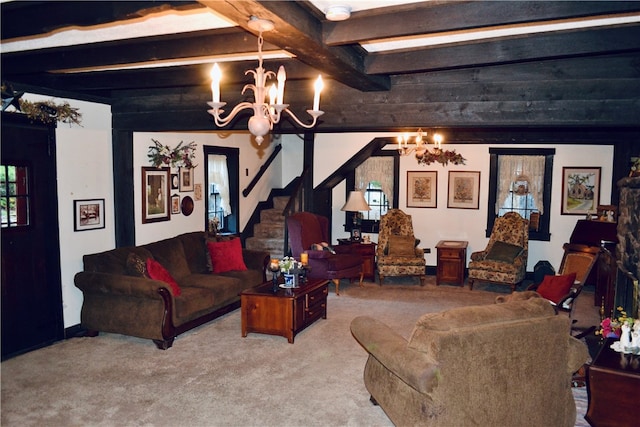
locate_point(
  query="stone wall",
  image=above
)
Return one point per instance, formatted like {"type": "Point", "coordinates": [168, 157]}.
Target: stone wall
{"type": "Point", "coordinates": [628, 248]}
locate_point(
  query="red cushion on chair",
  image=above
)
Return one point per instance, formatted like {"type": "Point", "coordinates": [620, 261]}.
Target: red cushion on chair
{"type": "Point", "coordinates": [554, 288]}
{"type": "Point", "coordinates": [158, 272]}
{"type": "Point", "coordinates": [226, 256]}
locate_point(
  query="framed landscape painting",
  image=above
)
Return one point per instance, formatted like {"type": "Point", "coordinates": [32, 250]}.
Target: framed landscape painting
{"type": "Point", "coordinates": [580, 190]}
{"type": "Point", "coordinates": [155, 197]}
{"type": "Point", "coordinates": [464, 190]}
{"type": "Point", "coordinates": [422, 189]}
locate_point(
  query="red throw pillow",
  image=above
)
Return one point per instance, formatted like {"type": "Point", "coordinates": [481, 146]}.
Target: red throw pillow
{"type": "Point", "coordinates": [226, 256]}
{"type": "Point", "coordinates": [158, 272]}
{"type": "Point", "coordinates": [554, 288]}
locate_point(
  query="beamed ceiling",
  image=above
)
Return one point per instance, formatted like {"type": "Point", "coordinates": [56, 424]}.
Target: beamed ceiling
{"type": "Point", "coordinates": [574, 76]}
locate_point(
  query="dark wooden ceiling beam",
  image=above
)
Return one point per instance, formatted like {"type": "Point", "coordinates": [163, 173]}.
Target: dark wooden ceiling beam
{"type": "Point", "coordinates": [197, 44]}
{"type": "Point", "coordinates": [533, 47]}
{"type": "Point", "coordinates": [300, 33]}
{"type": "Point", "coordinates": [433, 17]}
{"type": "Point", "coordinates": [160, 78]}
{"type": "Point", "coordinates": [22, 19]}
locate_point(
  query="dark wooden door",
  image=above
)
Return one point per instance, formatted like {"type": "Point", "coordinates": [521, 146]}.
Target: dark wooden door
{"type": "Point", "coordinates": [31, 284]}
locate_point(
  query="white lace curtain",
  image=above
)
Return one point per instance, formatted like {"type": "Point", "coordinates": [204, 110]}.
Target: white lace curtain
{"type": "Point", "coordinates": [378, 169]}
{"type": "Point", "coordinates": [512, 167]}
{"type": "Point", "coordinates": [219, 175]}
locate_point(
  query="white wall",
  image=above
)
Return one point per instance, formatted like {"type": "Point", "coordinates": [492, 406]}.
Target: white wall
{"type": "Point", "coordinates": [434, 224]}
{"type": "Point", "coordinates": [84, 169]}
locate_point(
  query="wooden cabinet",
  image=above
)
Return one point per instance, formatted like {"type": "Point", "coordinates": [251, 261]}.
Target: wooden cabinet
{"type": "Point", "coordinates": [452, 261]}
{"type": "Point", "coordinates": [366, 251]}
{"type": "Point", "coordinates": [285, 312]}
{"type": "Point", "coordinates": [613, 381]}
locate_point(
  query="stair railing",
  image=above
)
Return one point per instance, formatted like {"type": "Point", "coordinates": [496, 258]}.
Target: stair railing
{"type": "Point", "coordinates": [262, 170]}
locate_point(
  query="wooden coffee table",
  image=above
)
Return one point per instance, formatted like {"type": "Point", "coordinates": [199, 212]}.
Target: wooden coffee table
{"type": "Point", "coordinates": [285, 312]}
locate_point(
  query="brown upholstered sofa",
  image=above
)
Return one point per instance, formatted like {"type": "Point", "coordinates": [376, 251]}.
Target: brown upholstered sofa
{"type": "Point", "coordinates": [117, 301]}
{"type": "Point", "coordinates": [504, 364]}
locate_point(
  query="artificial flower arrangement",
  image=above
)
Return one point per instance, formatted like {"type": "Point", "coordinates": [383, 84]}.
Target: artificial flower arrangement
{"type": "Point", "coordinates": [611, 327]}
{"type": "Point", "coordinates": [180, 157]}
{"type": "Point", "coordinates": [289, 263]}
{"type": "Point", "coordinates": [440, 156]}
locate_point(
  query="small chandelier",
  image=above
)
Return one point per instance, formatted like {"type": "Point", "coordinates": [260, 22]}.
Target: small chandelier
{"type": "Point", "coordinates": [265, 115]}
{"type": "Point", "coordinates": [425, 156]}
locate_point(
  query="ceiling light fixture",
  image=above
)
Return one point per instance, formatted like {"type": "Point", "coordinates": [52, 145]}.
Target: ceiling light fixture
{"type": "Point", "coordinates": [265, 115]}
{"type": "Point", "coordinates": [423, 154]}
{"type": "Point", "coordinates": [338, 13]}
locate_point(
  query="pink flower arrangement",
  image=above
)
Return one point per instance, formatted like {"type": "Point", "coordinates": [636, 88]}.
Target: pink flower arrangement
{"type": "Point", "coordinates": [610, 327]}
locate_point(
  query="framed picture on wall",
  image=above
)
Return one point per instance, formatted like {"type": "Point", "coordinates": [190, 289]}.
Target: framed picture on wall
{"type": "Point", "coordinates": [88, 214]}
{"type": "Point", "coordinates": [422, 189]}
{"type": "Point", "coordinates": [464, 190]}
{"type": "Point", "coordinates": [155, 197]}
{"type": "Point", "coordinates": [580, 190]}
{"type": "Point", "coordinates": [175, 181]}
{"type": "Point", "coordinates": [186, 179]}
{"type": "Point", "coordinates": [175, 204]}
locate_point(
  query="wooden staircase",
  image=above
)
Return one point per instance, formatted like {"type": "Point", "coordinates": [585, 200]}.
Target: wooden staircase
{"type": "Point", "coordinates": [268, 234]}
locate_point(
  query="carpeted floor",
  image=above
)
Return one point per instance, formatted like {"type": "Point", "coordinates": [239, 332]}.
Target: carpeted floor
{"type": "Point", "coordinates": [214, 377]}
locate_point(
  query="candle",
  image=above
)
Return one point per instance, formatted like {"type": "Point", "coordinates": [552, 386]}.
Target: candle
{"type": "Point", "coordinates": [304, 258]}
{"type": "Point", "coordinates": [282, 76]}
{"type": "Point", "coordinates": [273, 92]}
{"type": "Point", "coordinates": [216, 76]}
{"type": "Point", "coordinates": [438, 140]}
{"type": "Point", "coordinates": [316, 98]}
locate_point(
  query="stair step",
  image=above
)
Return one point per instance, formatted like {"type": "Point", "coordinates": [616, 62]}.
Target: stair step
{"type": "Point", "coordinates": [272, 215]}
{"type": "Point", "coordinates": [273, 230]}
{"type": "Point", "coordinates": [273, 246]}
{"type": "Point", "coordinates": [280, 202]}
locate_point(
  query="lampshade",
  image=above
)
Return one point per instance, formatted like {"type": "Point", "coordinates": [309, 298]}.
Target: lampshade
{"type": "Point", "coordinates": [356, 202]}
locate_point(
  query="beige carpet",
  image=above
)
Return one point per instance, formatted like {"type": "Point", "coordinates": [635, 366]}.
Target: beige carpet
{"type": "Point", "coordinates": [214, 377]}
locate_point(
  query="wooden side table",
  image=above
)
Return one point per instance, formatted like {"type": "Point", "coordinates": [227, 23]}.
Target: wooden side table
{"type": "Point", "coordinates": [613, 381]}
{"type": "Point", "coordinates": [366, 251]}
{"type": "Point", "coordinates": [452, 260]}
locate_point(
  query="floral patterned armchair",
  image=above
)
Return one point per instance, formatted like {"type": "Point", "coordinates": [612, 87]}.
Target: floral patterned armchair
{"type": "Point", "coordinates": [397, 254]}
{"type": "Point", "coordinates": [504, 260]}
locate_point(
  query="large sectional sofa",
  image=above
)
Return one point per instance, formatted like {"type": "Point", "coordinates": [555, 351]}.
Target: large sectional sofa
{"type": "Point", "coordinates": [119, 300]}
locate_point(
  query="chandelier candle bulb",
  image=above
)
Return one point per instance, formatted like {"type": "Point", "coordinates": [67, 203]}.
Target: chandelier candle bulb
{"type": "Point", "coordinates": [316, 97]}
{"type": "Point", "coordinates": [282, 77]}
{"type": "Point", "coordinates": [438, 140]}
{"type": "Point", "coordinates": [273, 93]}
{"type": "Point", "coordinates": [216, 76]}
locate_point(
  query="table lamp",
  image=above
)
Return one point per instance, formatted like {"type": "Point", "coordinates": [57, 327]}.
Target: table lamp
{"type": "Point", "coordinates": [355, 203]}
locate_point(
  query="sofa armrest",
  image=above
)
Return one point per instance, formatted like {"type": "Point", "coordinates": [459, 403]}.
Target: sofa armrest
{"type": "Point", "coordinates": [256, 260]}
{"type": "Point", "coordinates": [578, 355]}
{"type": "Point", "coordinates": [105, 283]}
{"type": "Point", "coordinates": [390, 349]}
{"type": "Point", "coordinates": [478, 256]}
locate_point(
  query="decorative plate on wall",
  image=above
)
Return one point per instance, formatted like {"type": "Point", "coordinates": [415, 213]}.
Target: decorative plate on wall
{"type": "Point", "coordinates": [187, 205]}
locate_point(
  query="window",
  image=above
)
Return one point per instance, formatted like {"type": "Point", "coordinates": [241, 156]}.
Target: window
{"type": "Point", "coordinates": [223, 182]}
{"type": "Point", "coordinates": [378, 176]}
{"type": "Point", "coordinates": [377, 201]}
{"type": "Point", "coordinates": [14, 196]}
{"type": "Point", "coordinates": [520, 181]}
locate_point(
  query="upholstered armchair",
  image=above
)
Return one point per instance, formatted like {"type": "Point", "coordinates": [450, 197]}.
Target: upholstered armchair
{"type": "Point", "coordinates": [505, 364]}
{"type": "Point", "coordinates": [504, 260]}
{"type": "Point", "coordinates": [397, 252]}
{"type": "Point", "coordinates": [306, 229]}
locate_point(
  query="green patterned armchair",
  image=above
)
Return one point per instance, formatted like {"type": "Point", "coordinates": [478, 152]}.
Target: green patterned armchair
{"type": "Point", "coordinates": [504, 260]}
{"type": "Point", "coordinates": [397, 254]}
